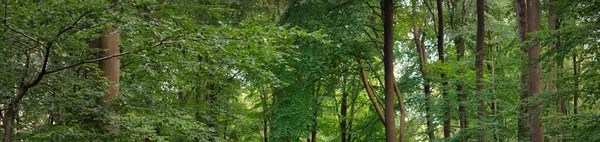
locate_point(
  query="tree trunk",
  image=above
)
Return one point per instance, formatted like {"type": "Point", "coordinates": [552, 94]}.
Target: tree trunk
{"type": "Point", "coordinates": [479, 67]}
{"type": "Point", "coordinates": [387, 10]}
{"type": "Point", "coordinates": [9, 115]}
{"type": "Point", "coordinates": [212, 102]}
{"type": "Point", "coordinates": [343, 116]}
{"type": "Point", "coordinates": [461, 96]}
{"type": "Point", "coordinates": [440, 48]}
{"type": "Point", "coordinates": [265, 117]}
{"type": "Point", "coordinates": [402, 127]}
{"type": "Point", "coordinates": [576, 86]}
{"type": "Point", "coordinates": [521, 16]}
{"type": "Point", "coordinates": [535, 75]}
{"type": "Point", "coordinates": [315, 115]}
{"type": "Point", "coordinates": [369, 90]}
{"type": "Point", "coordinates": [110, 67]}
{"type": "Point", "coordinates": [426, 87]}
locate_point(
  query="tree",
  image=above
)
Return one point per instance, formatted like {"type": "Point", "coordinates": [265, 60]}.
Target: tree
{"type": "Point", "coordinates": [523, 121]}
{"type": "Point", "coordinates": [440, 48]}
{"type": "Point", "coordinates": [388, 54]}
{"type": "Point", "coordinates": [480, 53]}
{"type": "Point", "coordinates": [535, 75]}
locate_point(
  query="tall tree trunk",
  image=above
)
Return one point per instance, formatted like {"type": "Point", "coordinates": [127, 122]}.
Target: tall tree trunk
{"type": "Point", "coordinates": [479, 66]}
{"type": "Point", "coordinates": [523, 121]}
{"type": "Point", "coordinates": [110, 67]}
{"type": "Point", "coordinates": [535, 75]}
{"type": "Point", "coordinates": [109, 41]}
{"type": "Point", "coordinates": [461, 96]}
{"type": "Point", "coordinates": [562, 108]}
{"type": "Point", "coordinates": [555, 70]}
{"type": "Point", "coordinates": [440, 48]}
{"type": "Point", "coordinates": [426, 87]}
{"type": "Point", "coordinates": [387, 10]}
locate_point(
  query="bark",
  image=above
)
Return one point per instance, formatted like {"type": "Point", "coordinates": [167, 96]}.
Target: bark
{"type": "Point", "coordinates": [387, 9]}
{"type": "Point", "coordinates": [535, 75]}
{"type": "Point", "coordinates": [110, 67]}
{"type": "Point", "coordinates": [440, 48]}
{"type": "Point", "coordinates": [479, 66]}
{"type": "Point", "coordinates": [109, 44]}
{"type": "Point", "coordinates": [521, 17]}
{"type": "Point", "coordinates": [402, 127]}
{"type": "Point", "coordinates": [351, 120]}
{"type": "Point", "coordinates": [265, 118]}
{"type": "Point", "coordinates": [576, 86]}
{"type": "Point", "coordinates": [369, 90]}
{"type": "Point", "coordinates": [461, 96]}
{"type": "Point", "coordinates": [426, 87]}
{"type": "Point", "coordinates": [343, 115]}
{"type": "Point", "coordinates": [315, 114]}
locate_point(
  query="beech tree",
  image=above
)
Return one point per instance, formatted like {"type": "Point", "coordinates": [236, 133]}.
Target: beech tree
{"type": "Point", "coordinates": [299, 70]}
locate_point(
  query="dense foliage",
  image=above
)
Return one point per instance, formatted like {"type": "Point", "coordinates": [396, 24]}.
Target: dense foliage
{"type": "Point", "coordinates": [293, 70]}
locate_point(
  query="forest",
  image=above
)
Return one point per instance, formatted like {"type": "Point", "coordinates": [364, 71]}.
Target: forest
{"type": "Point", "coordinates": [300, 70]}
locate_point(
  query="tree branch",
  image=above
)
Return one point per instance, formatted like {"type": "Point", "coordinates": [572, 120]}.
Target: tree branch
{"type": "Point", "coordinates": [87, 61]}
{"type": "Point", "coordinates": [73, 24]}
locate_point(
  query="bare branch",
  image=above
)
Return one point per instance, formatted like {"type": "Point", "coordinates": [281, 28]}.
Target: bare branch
{"type": "Point", "coordinates": [87, 61]}
{"type": "Point", "coordinates": [73, 24]}
{"type": "Point", "coordinates": [41, 74]}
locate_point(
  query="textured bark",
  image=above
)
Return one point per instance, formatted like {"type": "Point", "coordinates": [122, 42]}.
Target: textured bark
{"type": "Point", "coordinates": [440, 49]}
{"type": "Point", "coordinates": [479, 67]}
{"type": "Point", "coordinates": [535, 75]}
{"type": "Point", "coordinates": [387, 10]}
{"type": "Point", "coordinates": [523, 121]}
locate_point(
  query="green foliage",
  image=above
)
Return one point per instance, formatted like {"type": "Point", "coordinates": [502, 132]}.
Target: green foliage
{"type": "Point", "coordinates": [224, 70]}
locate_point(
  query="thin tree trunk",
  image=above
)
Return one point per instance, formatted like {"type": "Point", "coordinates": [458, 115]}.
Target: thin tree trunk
{"type": "Point", "coordinates": [576, 86]}
{"type": "Point", "coordinates": [265, 117]}
{"type": "Point", "coordinates": [402, 127]}
{"type": "Point", "coordinates": [315, 114]}
{"type": "Point", "coordinates": [521, 16]}
{"type": "Point", "coordinates": [535, 75]}
{"type": "Point", "coordinates": [351, 120]}
{"type": "Point", "coordinates": [440, 48]}
{"type": "Point", "coordinates": [343, 114]}
{"type": "Point", "coordinates": [387, 10]}
{"type": "Point", "coordinates": [461, 96]}
{"type": "Point", "coordinates": [426, 87]}
{"type": "Point", "coordinates": [479, 67]}
{"type": "Point", "coordinates": [369, 90]}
